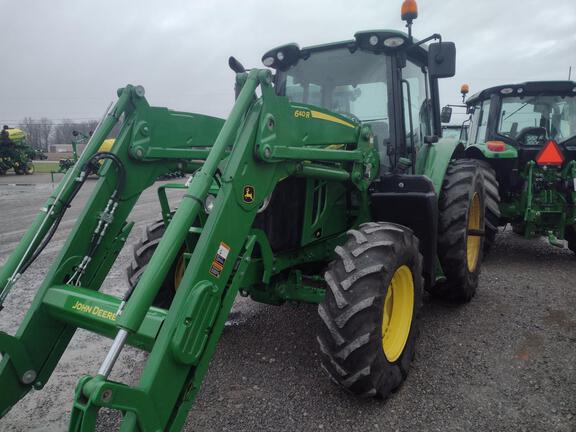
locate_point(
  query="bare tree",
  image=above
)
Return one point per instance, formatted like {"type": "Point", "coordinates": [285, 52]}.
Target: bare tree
{"type": "Point", "coordinates": [45, 129]}
{"type": "Point", "coordinates": [63, 131]}
{"type": "Point", "coordinates": [30, 126]}
{"type": "Point", "coordinates": [37, 131]}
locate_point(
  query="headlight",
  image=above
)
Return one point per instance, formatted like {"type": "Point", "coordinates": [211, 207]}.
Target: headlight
{"type": "Point", "coordinates": [393, 42]}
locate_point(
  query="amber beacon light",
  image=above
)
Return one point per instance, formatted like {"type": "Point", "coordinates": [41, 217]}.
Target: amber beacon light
{"type": "Point", "coordinates": [409, 11]}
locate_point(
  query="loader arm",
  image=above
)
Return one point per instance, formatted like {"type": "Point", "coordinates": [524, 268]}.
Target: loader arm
{"type": "Point", "coordinates": [262, 142]}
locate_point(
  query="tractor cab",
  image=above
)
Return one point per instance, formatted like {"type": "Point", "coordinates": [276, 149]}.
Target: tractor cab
{"type": "Point", "coordinates": [382, 78]}
{"type": "Point", "coordinates": [526, 117]}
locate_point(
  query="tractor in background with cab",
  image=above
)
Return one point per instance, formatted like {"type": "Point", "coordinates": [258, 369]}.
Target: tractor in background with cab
{"type": "Point", "coordinates": [527, 134]}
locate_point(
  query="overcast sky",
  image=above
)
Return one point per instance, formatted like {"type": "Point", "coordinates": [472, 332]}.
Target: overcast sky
{"type": "Point", "coordinates": [66, 58]}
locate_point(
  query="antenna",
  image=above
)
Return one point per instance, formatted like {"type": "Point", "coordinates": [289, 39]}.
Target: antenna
{"type": "Point", "coordinates": [569, 72]}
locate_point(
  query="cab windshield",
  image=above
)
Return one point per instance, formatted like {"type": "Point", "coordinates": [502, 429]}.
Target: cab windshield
{"type": "Point", "coordinates": [534, 119]}
{"type": "Point", "coordinates": [352, 84]}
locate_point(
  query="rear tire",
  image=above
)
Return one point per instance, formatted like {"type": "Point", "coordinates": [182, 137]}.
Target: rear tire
{"type": "Point", "coordinates": [371, 308]}
{"type": "Point", "coordinates": [492, 197]}
{"type": "Point", "coordinates": [142, 254]}
{"type": "Point", "coordinates": [462, 208]}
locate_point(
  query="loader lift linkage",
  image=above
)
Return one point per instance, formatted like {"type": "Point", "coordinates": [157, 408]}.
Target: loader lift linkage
{"type": "Point", "coordinates": [181, 341]}
{"type": "Point", "coordinates": [338, 165]}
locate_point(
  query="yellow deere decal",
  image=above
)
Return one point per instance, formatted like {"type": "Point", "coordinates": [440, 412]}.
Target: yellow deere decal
{"type": "Point", "coordinates": [94, 310]}
{"type": "Point", "coordinates": [322, 116]}
{"type": "Point", "coordinates": [248, 195]}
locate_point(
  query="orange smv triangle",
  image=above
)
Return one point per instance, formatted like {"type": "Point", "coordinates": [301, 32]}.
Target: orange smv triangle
{"type": "Point", "coordinates": [550, 154]}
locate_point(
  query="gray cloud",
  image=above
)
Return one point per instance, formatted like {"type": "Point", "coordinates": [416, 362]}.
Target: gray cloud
{"type": "Point", "coordinates": [66, 58]}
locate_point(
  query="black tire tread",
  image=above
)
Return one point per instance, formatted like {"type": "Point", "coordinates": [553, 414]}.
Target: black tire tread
{"type": "Point", "coordinates": [463, 178]}
{"type": "Point", "coordinates": [142, 253]}
{"type": "Point", "coordinates": [350, 338]}
{"type": "Point", "coordinates": [492, 203]}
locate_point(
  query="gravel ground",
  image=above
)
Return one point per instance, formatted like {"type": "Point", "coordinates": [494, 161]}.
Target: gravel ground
{"type": "Point", "coordinates": [505, 361]}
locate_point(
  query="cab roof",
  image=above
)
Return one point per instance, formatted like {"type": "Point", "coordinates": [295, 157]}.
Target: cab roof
{"type": "Point", "coordinates": [553, 88]}
{"type": "Point", "coordinates": [294, 51]}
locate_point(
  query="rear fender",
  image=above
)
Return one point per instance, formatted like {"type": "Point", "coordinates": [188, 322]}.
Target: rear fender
{"type": "Point", "coordinates": [480, 150]}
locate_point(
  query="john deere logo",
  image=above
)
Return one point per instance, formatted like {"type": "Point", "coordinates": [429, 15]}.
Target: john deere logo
{"type": "Point", "coordinates": [248, 194]}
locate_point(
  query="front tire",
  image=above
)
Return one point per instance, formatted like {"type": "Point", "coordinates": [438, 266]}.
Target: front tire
{"type": "Point", "coordinates": [143, 252]}
{"type": "Point", "coordinates": [371, 307]}
{"type": "Point", "coordinates": [461, 228]}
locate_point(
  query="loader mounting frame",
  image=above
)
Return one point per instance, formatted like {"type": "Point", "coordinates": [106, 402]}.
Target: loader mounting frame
{"type": "Point", "coordinates": [262, 143]}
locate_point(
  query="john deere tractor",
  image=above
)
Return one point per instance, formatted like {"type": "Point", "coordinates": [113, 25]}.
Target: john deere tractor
{"type": "Point", "coordinates": [14, 152]}
{"type": "Point", "coordinates": [527, 134]}
{"type": "Point", "coordinates": [331, 187]}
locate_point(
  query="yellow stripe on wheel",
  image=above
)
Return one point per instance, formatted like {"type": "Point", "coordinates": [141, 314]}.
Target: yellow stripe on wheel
{"type": "Point", "coordinates": [473, 241]}
{"type": "Point", "coordinates": [397, 314]}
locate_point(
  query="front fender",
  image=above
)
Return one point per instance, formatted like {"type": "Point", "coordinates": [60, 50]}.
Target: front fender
{"type": "Point", "coordinates": [438, 157]}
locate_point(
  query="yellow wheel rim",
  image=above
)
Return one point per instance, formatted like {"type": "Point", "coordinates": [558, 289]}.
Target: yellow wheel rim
{"type": "Point", "coordinates": [473, 240]}
{"type": "Point", "coordinates": [179, 272]}
{"type": "Point", "coordinates": [397, 315]}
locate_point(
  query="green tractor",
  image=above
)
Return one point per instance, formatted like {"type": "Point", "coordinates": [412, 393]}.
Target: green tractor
{"type": "Point", "coordinates": [14, 152]}
{"type": "Point", "coordinates": [327, 184]}
{"type": "Point", "coordinates": [527, 134]}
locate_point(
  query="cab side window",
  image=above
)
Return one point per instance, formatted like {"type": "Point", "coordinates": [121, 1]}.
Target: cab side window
{"type": "Point", "coordinates": [479, 122]}
{"type": "Point", "coordinates": [417, 105]}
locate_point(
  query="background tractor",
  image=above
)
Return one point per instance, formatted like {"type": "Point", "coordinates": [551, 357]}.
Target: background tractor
{"type": "Point", "coordinates": [527, 133]}
{"type": "Point", "coordinates": [14, 152]}
{"type": "Point", "coordinates": [331, 187]}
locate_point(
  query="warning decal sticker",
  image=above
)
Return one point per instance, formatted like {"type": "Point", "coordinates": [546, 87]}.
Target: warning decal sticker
{"type": "Point", "coordinates": [219, 260]}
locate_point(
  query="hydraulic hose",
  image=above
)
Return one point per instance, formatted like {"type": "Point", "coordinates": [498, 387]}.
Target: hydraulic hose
{"type": "Point", "coordinates": [88, 168]}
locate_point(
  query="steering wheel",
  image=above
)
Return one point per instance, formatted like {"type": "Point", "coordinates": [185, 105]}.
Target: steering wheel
{"type": "Point", "coordinates": [538, 134]}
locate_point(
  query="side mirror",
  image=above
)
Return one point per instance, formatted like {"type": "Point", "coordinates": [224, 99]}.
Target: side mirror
{"type": "Point", "coordinates": [235, 65]}
{"type": "Point", "coordinates": [446, 114]}
{"type": "Point", "coordinates": [442, 60]}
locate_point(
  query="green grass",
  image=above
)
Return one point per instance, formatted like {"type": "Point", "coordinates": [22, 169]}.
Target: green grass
{"type": "Point", "coordinates": [45, 166]}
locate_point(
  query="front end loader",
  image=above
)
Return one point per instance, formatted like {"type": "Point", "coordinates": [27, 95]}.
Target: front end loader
{"type": "Point", "coordinates": [527, 134]}
{"type": "Point", "coordinates": [332, 187]}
